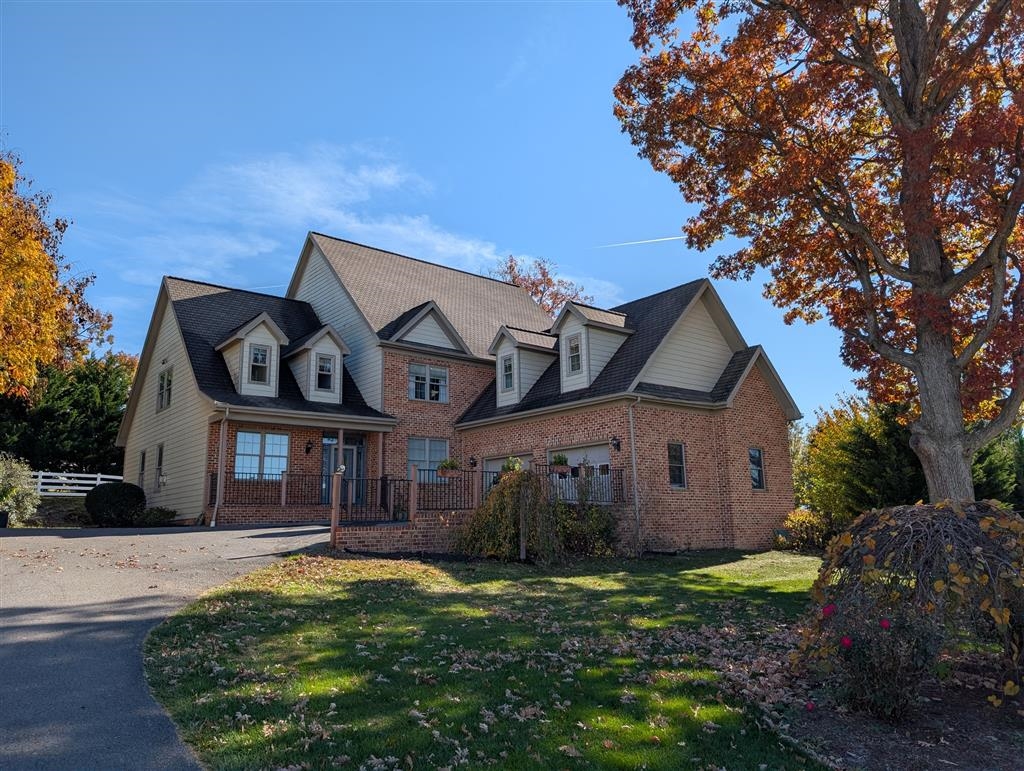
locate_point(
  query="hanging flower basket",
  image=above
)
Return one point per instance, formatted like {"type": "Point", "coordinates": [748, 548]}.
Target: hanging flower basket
{"type": "Point", "coordinates": [447, 473]}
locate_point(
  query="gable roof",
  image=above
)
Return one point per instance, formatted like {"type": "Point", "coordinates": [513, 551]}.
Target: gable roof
{"type": "Point", "coordinates": [207, 313]}
{"type": "Point", "coordinates": [386, 287]}
{"type": "Point", "coordinates": [241, 331]}
{"type": "Point", "coordinates": [524, 338]}
{"type": "Point", "coordinates": [310, 339]}
{"type": "Point", "coordinates": [591, 316]}
{"type": "Point", "coordinates": [405, 323]}
{"type": "Point", "coordinates": [652, 318]}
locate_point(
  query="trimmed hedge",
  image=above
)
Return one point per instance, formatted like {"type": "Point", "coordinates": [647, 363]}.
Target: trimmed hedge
{"type": "Point", "coordinates": [115, 504]}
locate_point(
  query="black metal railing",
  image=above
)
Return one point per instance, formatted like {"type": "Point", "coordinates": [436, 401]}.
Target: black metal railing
{"type": "Point", "coordinates": [254, 489]}
{"type": "Point", "coordinates": [437, 492]}
{"type": "Point", "coordinates": [308, 490]}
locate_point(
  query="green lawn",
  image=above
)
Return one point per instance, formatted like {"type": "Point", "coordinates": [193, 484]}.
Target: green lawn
{"type": "Point", "coordinates": [319, 662]}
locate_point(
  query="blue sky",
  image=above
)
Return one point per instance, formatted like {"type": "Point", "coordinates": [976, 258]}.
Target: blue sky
{"type": "Point", "coordinates": [205, 139]}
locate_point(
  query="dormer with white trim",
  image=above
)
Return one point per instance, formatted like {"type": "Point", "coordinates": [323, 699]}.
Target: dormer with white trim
{"type": "Point", "coordinates": [316, 363]}
{"type": "Point", "coordinates": [588, 337]}
{"type": "Point", "coordinates": [425, 325]}
{"type": "Point", "coordinates": [520, 358]}
{"type": "Point", "coordinates": [252, 353]}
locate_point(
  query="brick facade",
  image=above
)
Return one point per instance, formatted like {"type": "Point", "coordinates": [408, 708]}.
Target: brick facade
{"type": "Point", "coordinates": [717, 507]}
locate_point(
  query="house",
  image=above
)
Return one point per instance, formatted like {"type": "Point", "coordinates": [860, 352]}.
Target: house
{"type": "Point", "coordinates": [245, 403]}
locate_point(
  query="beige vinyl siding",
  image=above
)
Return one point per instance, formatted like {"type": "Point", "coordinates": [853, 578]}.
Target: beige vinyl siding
{"type": "Point", "coordinates": [181, 428]}
{"type": "Point", "coordinates": [506, 398]}
{"type": "Point", "coordinates": [232, 357]}
{"type": "Point", "coordinates": [532, 364]}
{"type": "Point", "coordinates": [320, 288]}
{"type": "Point", "coordinates": [602, 346]}
{"type": "Point", "coordinates": [575, 381]}
{"type": "Point", "coordinates": [429, 332]}
{"type": "Point", "coordinates": [260, 336]}
{"type": "Point", "coordinates": [300, 365]}
{"type": "Point", "coordinates": [693, 356]}
{"type": "Point", "coordinates": [324, 347]}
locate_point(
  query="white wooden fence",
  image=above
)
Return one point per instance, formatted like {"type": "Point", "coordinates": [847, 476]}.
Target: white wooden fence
{"type": "Point", "coordinates": [60, 484]}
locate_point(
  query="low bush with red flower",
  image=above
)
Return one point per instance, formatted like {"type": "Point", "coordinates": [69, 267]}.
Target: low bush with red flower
{"type": "Point", "coordinates": [904, 583]}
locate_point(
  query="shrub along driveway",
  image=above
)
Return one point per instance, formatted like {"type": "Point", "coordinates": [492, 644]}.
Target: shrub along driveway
{"type": "Point", "coordinates": [75, 606]}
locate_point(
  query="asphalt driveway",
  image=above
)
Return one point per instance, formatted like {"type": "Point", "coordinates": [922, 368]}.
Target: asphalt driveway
{"type": "Point", "coordinates": [75, 606]}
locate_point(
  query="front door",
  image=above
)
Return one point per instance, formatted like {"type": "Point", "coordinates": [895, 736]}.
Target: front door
{"type": "Point", "coordinates": [330, 463]}
{"type": "Point", "coordinates": [354, 459]}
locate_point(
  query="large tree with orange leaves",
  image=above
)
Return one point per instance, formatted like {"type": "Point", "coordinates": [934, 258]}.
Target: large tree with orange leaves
{"type": "Point", "coordinates": [537, 278]}
{"type": "Point", "coordinates": [870, 154]}
{"type": "Point", "coordinates": [44, 317]}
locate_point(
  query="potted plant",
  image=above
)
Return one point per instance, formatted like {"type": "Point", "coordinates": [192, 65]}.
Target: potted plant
{"type": "Point", "coordinates": [448, 468]}
{"type": "Point", "coordinates": [560, 463]}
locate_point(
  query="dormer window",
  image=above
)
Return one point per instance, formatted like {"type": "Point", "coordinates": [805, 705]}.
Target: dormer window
{"type": "Point", "coordinates": [506, 373]}
{"type": "Point", "coordinates": [325, 373]}
{"type": "Point", "coordinates": [575, 348]}
{"type": "Point", "coordinates": [259, 368]}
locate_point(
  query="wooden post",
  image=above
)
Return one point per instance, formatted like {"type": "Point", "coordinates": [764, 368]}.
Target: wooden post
{"type": "Point", "coordinates": [335, 507]}
{"type": "Point", "coordinates": [478, 483]}
{"type": "Point", "coordinates": [284, 489]}
{"type": "Point", "coordinates": [414, 493]}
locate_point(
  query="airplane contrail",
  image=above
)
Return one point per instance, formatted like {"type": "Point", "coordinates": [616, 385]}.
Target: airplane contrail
{"type": "Point", "coordinates": [648, 241]}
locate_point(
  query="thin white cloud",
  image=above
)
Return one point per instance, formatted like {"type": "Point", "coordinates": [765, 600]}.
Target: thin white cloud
{"type": "Point", "coordinates": [237, 220]}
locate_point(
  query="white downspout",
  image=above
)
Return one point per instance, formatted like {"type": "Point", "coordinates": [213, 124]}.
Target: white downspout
{"type": "Point", "coordinates": [636, 484]}
{"type": "Point", "coordinates": [222, 451]}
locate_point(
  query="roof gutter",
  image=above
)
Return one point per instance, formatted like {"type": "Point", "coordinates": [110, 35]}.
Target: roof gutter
{"type": "Point", "coordinates": [319, 416]}
{"type": "Point", "coordinates": [543, 410]}
{"type": "Point", "coordinates": [589, 402]}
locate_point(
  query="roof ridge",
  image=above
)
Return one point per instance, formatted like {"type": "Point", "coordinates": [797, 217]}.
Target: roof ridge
{"type": "Point", "coordinates": [598, 308]}
{"type": "Point", "coordinates": [531, 331]}
{"type": "Point", "coordinates": [415, 259]}
{"type": "Point", "coordinates": [655, 294]}
{"type": "Point", "coordinates": [236, 289]}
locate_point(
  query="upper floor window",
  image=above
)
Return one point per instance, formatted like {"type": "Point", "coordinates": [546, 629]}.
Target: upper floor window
{"type": "Point", "coordinates": [575, 348]}
{"type": "Point", "coordinates": [428, 384]}
{"type": "Point", "coordinates": [756, 468]}
{"type": "Point", "coordinates": [325, 373]}
{"type": "Point", "coordinates": [506, 373]}
{"type": "Point", "coordinates": [677, 464]}
{"type": "Point", "coordinates": [163, 391]}
{"type": "Point", "coordinates": [259, 364]}
{"type": "Point", "coordinates": [260, 456]}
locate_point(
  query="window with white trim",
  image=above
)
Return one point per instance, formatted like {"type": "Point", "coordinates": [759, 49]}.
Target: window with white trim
{"type": "Point", "coordinates": [425, 453]}
{"type": "Point", "coordinates": [159, 470]}
{"type": "Point", "coordinates": [507, 380]}
{"type": "Point", "coordinates": [677, 464]}
{"type": "Point", "coordinates": [325, 373]}
{"type": "Point", "coordinates": [575, 348]}
{"type": "Point", "coordinates": [259, 364]}
{"type": "Point", "coordinates": [756, 468]}
{"type": "Point", "coordinates": [260, 456]}
{"type": "Point", "coordinates": [163, 390]}
{"type": "Point", "coordinates": [428, 384]}
{"type": "Point", "coordinates": [142, 469]}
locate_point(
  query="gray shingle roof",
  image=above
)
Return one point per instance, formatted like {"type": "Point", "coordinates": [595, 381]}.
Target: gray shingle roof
{"type": "Point", "coordinates": [207, 313]}
{"type": "Point", "coordinates": [535, 339]}
{"type": "Point", "coordinates": [651, 317]}
{"type": "Point", "coordinates": [386, 286]}
{"type": "Point", "coordinates": [602, 316]}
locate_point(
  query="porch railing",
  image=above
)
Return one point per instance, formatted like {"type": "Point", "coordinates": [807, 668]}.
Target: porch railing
{"type": "Point", "coordinates": [361, 500]}
{"type": "Point", "coordinates": [594, 484]}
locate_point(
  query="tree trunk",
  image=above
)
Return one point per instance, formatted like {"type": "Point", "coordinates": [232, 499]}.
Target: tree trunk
{"type": "Point", "coordinates": [939, 437]}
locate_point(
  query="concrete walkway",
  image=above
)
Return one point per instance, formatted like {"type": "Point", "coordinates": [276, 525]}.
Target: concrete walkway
{"type": "Point", "coordinates": [75, 607]}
